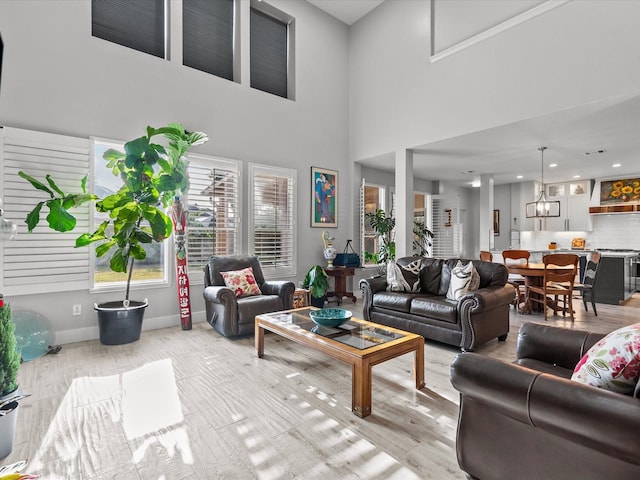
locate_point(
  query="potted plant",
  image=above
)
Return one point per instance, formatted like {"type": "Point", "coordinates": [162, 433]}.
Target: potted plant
{"type": "Point", "coordinates": [151, 174]}
{"type": "Point", "coordinates": [383, 225]}
{"type": "Point", "coordinates": [9, 365]}
{"type": "Point", "coordinates": [317, 281]}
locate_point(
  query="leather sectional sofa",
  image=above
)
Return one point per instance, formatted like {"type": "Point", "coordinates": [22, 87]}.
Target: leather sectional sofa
{"type": "Point", "coordinates": [477, 317]}
{"type": "Point", "coordinates": [527, 420]}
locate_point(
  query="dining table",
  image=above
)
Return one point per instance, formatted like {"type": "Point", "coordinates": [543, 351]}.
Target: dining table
{"type": "Point", "coordinates": [533, 274]}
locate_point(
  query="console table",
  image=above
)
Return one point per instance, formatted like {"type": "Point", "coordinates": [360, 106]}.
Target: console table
{"type": "Point", "coordinates": [340, 275]}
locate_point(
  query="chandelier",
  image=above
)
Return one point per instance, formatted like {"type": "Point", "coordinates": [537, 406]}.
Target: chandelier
{"type": "Point", "coordinates": [543, 207]}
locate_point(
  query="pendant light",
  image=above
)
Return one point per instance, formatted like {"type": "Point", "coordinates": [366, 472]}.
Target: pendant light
{"type": "Point", "coordinates": [543, 207]}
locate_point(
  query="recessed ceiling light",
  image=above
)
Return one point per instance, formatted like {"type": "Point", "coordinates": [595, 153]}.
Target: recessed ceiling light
{"type": "Point", "coordinates": [616, 165]}
{"type": "Point", "coordinates": [519, 176]}
{"type": "Point", "coordinates": [576, 176]}
{"type": "Point", "coordinates": [475, 184]}
{"type": "Point", "coordinates": [551, 165]}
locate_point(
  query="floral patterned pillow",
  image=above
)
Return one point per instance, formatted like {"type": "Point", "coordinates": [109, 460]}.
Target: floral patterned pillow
{"type": "Point", "coordinates": [242, 282]}
{"type": "Point", "coordinates": [613, 363]}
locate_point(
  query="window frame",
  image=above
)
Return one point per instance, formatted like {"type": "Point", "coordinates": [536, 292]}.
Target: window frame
{"type": "Point", "coordinates": [223, 163]}
{"type": "Point", "coordinates": [382, 197]}
{"type": "Point", "coordinates": [234, 74]}
{"type": "Point", "coordinates": [130, 42]}
{"type": "Point", "coordinates": [267, 10]}
{"type": "Point", "coordinates": [165, 246]}
{"type": "Point", "coordinates": [288, 270]}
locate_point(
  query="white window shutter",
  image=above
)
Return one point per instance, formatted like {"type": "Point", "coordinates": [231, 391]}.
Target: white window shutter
{"type": "Point", "coordinates": [214, 210]}
{"type": "Point", "coordinates": [44, 260]}
{"type": "Point", "coordinates": [272, 222]}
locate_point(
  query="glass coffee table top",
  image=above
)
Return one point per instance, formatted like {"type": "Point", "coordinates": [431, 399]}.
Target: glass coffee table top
{"type": "Point", "coordinates": [355, 333]}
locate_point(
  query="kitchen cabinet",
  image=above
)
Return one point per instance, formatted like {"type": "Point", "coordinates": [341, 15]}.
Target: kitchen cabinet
{"type": "Point", "coordinates": [523, 193]}
{"type": "Point", "coordinates": [574, 200]}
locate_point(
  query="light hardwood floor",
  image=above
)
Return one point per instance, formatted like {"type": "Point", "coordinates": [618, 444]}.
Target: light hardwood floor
{"type": "Point", "coordinates": [195, 405]}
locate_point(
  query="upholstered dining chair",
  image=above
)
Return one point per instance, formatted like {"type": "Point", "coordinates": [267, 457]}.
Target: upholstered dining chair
{"type": "Point", "coordinates": [486, 256]}
{"type": "Point", "coordinates": [588, 285]}
{"type": "Point", "coordinates": [518, 281]}
{"type": "Point", "coordinates": [560, 270]}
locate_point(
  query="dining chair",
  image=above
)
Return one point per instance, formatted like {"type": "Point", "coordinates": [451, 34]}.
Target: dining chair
{"type": "Point", "coordinates": [486, 256]}
{"type": "Point", "coordinates": [587, 287]}
{"type": "Point", "coordinates": [517, 281]}
{"type": "Point", "coordinates": [557, 283]}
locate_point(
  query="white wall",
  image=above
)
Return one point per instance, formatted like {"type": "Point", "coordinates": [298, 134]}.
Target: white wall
{"type": "Point", "coordinates": [581, 52]}
{"type": "Point", "coordinates": [57, 78]}
{"type": "Point", "coordinates": [578, 53]}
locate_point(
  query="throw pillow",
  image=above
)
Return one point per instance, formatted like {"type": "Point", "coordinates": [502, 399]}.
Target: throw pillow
{"type": "Point", "coordinates": [242, 282]}
{"type": "Point", "coordinates": [462, 280]}
{"type": "Point", "coordinates": [613, 363]}
{"type": "Point", "coordinates": [404, 278]}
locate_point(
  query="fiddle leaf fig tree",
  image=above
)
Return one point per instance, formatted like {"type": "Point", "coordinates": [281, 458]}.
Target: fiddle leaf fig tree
{"type": "Point", "coordinates": [151, 174]}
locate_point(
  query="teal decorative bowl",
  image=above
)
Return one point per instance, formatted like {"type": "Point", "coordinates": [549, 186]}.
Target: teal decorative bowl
{"type": "Point", "coordinates": [330, 317]}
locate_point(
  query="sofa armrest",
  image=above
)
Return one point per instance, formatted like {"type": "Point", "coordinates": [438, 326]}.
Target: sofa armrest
{"type": "Point", "coordinates": [283, 288]}
{"type": "Point", "coordinates": [605, 421]}
{"type": "Point", "coordinates": [554, 345]}
{"type": "Point", "coordinates": [222, 295]}
{"type": "Point", "coordinates": [487, 298]}
{"type": "Point", "coordinates": [369, 286]}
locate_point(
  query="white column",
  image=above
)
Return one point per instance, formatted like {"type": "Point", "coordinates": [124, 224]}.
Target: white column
{"type": "Point", "coordinates": [404, 202]}
{"type": "Point", "coordinates": [486, 213]}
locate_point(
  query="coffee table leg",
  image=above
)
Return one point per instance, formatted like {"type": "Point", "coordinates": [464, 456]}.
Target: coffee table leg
{"type": "Point", "coordinates": [418, 369]}
{"type": "Point", "coordinates": [259, 340]}
{"type": "Point", "coordinates": [361, 389]}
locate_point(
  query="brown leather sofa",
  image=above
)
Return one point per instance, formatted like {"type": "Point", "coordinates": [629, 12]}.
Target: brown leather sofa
{"type": "Point", "coordinates": [235, 316]}
{"type": "Point", "coordinates": [476, 318]}
{"type": "Point", "coordinates": [528, 421]}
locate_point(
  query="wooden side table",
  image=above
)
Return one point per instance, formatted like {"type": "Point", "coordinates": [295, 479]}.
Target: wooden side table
{"type": "Point", "coordinates": [340, 275]}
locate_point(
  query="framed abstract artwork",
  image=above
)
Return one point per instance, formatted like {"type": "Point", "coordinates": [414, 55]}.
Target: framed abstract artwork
{"type": "Point", "coordinates": [496, 222]}
{"type": "Point", "coordinates": [324, 197]}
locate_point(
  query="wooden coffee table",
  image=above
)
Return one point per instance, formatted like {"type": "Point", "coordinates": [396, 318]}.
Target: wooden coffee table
{"type": "Point", "coordinates": [359, 343]}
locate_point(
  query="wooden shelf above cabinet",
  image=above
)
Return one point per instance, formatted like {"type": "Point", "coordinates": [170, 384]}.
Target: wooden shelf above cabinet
{"type": "Point", "coordinates": [626, 208]}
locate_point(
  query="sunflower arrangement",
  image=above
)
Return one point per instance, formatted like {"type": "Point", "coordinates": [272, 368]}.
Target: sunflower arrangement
{"type": "Point", "coordinates": [621, 191]}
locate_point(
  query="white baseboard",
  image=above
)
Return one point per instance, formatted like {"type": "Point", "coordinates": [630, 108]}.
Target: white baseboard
{"type": "Point", "coordinates": [91, 333]}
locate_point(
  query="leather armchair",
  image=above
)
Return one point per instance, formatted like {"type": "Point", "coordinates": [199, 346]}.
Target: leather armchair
{"type": "Point", "coordinates": [235, 316]}
{"type": "Point", "coordinates": [528, 420]}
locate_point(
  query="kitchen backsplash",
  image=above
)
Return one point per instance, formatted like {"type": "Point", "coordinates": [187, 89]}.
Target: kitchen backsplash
{"type": "Point", "coordinates": [609, 231]}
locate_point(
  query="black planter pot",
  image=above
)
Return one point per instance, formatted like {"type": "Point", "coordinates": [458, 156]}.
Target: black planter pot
{"type": "Point", "coordinates": [119, 324]}
{"type": "Point", "coordinates": [318, 301]}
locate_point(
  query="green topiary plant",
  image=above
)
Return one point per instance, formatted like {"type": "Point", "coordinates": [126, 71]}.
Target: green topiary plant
{"type": "Point", "coordinates": [9, 355]}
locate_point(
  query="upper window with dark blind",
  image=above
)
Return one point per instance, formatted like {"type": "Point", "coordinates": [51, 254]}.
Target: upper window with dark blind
{"type": "Point", "coordinates": [207, 27]}
{"type": "Point", "coordinates": [269, 54]}
{"type": "Point", "coordinates": [137, 24]}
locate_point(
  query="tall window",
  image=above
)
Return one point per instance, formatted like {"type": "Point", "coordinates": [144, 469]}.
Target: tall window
{"type": "Point", "coordinates": [272, 225]}
{"type": "Point", "coordinates": [214, 206]}
{"type": "Point", "coordinates": [207, 29]}
{"type": "Point", "coordinates": [272, 51]}
{"type": "Point", "coordinates": [373, 200]}
{"type": "Point", "coordinates": [152, 268]}
{"type": "Point", "coordinates": [137, 24]}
